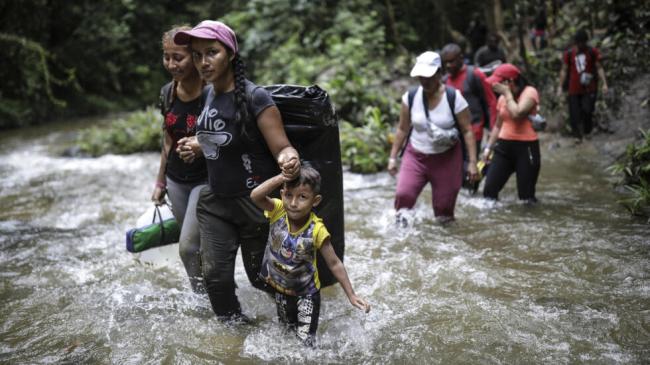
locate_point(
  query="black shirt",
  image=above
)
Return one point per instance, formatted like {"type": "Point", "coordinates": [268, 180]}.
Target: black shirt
{"type": "Point", "coordinates": [236, 162]}
{"type": "Point", "coordinates": [180, 121]}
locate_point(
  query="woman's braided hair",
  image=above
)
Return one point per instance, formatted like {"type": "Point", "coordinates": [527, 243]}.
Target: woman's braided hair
{"type": "Point", "coordinates": [241, 100]}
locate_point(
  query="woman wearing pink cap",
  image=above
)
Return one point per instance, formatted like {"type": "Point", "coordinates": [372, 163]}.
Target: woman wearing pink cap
{"type": "Point", "coordinates": [432, 130]}
{"type": "Point", "coordinates": [513, 143]}
{"type": "Point", "coordinates": [242, 137]}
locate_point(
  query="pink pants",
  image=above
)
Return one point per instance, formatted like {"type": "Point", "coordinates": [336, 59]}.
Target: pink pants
{"type": "Point", "coordinates": [444, 172]}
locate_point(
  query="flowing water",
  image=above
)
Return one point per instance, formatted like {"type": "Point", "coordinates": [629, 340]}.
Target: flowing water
{"type": "Point", "coordinates": [565, 281]}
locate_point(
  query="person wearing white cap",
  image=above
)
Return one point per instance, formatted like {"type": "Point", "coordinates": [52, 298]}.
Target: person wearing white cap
{"type": "Point", "coordinates": [428, 133]}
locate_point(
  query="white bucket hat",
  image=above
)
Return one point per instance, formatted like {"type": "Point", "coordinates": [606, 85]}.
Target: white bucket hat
{"type": "Point", "coordinates": [426, 65]}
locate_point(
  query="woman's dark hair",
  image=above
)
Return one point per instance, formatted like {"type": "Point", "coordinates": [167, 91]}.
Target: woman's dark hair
{"type": "Point", "coordinates": [168, 36]}
{"type": "Point", "coordinates": [521, 83]}
{"type": "Point", "coordinates": [581, 36]}
{"type": "Point", "coordinates": [241, 100]}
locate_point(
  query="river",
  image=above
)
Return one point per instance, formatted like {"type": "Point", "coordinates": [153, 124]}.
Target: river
{"type": "Point", "coordinates": [566, 281]}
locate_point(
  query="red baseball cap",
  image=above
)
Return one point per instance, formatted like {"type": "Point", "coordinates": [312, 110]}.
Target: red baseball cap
{"type": "Point", "coordinates": [505, 71]}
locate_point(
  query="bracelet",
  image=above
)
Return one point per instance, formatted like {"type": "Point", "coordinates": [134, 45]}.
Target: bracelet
{"type": "Point", "coordinates": [488, 147]}
{"type": "Point", "coordinates": [392, 160]}
{"type": "Point", "coordinates": [160, 185]}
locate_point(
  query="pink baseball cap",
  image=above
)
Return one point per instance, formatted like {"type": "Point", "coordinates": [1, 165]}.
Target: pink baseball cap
{"type": "Point", "coordinates": [505, 71]}
{"type": "Point", "coordinates": [209, 29]}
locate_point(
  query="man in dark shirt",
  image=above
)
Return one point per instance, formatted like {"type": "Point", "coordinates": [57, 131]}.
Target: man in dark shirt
{"type": "Point", "coordinates": [490, 52]}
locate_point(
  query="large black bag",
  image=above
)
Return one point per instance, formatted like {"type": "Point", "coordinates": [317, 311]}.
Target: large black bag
{"type": "Point", "coordinates": [311, 124]}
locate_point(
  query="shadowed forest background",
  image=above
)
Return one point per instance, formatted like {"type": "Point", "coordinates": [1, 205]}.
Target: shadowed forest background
{"type": "Point", "coordinates": [561, 282]}
{"type": "Point", "coordinates": [68, 59]}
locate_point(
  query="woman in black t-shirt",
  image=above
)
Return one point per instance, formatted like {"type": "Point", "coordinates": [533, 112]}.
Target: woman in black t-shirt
{"type": "Point", "coordinates": [241, 135]}
{"type": "Point", "coordinates": [180, 107]}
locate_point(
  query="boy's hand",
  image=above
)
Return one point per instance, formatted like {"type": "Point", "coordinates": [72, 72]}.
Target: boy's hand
{"type": "Point", "coordinates": [360, 303]}
{"type": "Point", "coordinates": [289, 166]}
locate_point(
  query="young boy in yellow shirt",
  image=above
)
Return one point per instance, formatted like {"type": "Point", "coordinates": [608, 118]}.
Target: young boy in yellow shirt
{"type": "Point", "coordinates": [295, 236]}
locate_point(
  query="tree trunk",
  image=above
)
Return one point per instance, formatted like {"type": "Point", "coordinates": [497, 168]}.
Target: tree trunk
{"type": "Point", "coordinates": [494, 16]}
{"type": "Point", "coordinates": [441, 14]}
{"type": "Point", "coordinates": [392, 25]}
{"type": "Point", "coordinates": [521, 32]}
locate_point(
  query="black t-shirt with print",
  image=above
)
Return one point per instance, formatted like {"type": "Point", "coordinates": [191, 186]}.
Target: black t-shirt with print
{"type": "Point", "coordinates": [236, 163]}
{"type": "Point", "coordinates": [180, 121]}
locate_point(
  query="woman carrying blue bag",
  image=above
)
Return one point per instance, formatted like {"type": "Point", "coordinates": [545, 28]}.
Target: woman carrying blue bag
{"type": "Point", "coordinates": [180, 102]}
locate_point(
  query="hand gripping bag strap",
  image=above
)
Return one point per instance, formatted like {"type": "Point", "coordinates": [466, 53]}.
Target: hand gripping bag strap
{"type": "Point", "coordinates": [162, 226]}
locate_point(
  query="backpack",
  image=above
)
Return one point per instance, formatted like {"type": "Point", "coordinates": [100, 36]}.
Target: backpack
{"type": "Point", "coordinates": [166, 98]}
{"type": "Point", "coordinates": [311, 124]}
{"type": "Point", "coordinates": [477, 88]}
{"type": "Point", "coordinates": [450, 93]}
{"type": "Point", "coordinates": [571, 54]}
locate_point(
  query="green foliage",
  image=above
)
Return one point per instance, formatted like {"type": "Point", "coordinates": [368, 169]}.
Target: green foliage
{"type": "Point", "coordinates": [139, 131]}
{"type": "Point", "coordinates": [38, 81]}
{"type": "Point", "coordinates": [342, 48]}
{"type": "Point", "coordinates": [71, 58]}
{"type": "Point", "coordinates": [635, 171]}
{"type": "Point", "coordinates": [85, 57]}
{"type": "Point", "coordinates": [617, 29]}
{"type": "Point", "coordinates": [365, 148]}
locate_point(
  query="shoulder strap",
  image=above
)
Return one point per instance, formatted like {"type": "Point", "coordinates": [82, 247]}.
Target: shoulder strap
{"type": "Point", "coordinates": [477, 87]}
{"type": "Point", "coordinates": [470, 77]}
{"type": "Point", "coordinates": [249, 90]}
{"type": "Point", "coordinates": [451, 99]}
{"type": "Point", "coordinates": [411, 96]}
{"type": "Point", "coordinates": [166, 98]}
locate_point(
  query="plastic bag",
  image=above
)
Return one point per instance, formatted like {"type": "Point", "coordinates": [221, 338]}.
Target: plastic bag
{"type": "Point", "coordinates": [538, 122]}
{"type": "Point", "coordinates": [311, 124]}
{"type": "Point", "coordinates": [156, 227]}
{"type": "Point", "coordinates": [305, 105]}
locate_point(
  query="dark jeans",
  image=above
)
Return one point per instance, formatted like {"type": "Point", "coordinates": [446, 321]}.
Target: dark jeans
{"type": "Point", "coordinates": [225, 224]}
{"type": "Point", "coordinates": [520, 157]}
{"type": "Point", "coordinates": [581, 111]}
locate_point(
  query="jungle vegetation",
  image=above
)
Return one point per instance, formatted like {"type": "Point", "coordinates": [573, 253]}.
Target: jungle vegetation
{"type": "Point", "coordinates": [68, 59]}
